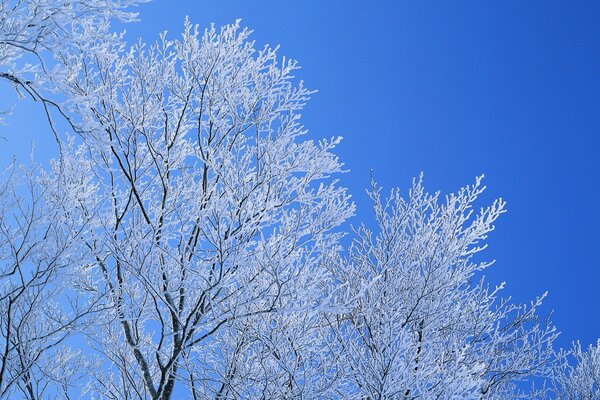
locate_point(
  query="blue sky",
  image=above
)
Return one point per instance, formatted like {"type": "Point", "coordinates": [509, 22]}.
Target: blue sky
{"type": "Point", "coordinates": [454, 89]}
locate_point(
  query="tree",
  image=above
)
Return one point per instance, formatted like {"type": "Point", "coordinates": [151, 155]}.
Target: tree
{"type": "Point", "coordinates": [211, 216]}
{"type": "Point", "coordinates": [421, 322]}
{"type": "Point", "coordinates": [188, 239]}
{"type": "Point", "coordinates": [580, 379]}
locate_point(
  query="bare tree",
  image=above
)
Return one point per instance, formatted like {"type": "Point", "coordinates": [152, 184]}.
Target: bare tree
{"type": "Point", "coordinates": [214, 214]}
{"type": "Point", "coordinates": [579, 379]}
{"type": "Point", "coordinates": [420, 323]}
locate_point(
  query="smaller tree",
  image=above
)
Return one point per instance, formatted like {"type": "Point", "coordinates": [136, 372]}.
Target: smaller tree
{"type": "Point", "coordinates": [581, 379]}
{"type": "Point", "coordinates": [420, 322]}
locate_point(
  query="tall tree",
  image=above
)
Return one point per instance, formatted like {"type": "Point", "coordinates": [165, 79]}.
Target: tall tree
{"type": "Point", "coordinates": [214, 212]}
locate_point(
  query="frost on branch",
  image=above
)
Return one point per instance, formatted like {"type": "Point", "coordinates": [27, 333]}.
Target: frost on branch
{"type": "Point", "coordinates": [33, 32]}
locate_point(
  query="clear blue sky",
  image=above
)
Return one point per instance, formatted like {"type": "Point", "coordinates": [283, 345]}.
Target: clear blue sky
{"type": "Point", "coordinates": [455, 89]}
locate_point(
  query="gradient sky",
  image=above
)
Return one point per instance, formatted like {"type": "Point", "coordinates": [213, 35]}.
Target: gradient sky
{"type": "Point", "coordinates": [455, 89]}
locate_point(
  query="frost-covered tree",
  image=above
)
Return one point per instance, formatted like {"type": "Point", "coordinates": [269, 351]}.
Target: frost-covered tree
{"type": "Point", "coordinates": [421, 322]}
{"type": "Point", "coordinates": [211, 216]}
{"type": "Point", "coordinates": [580, 379]}
{"type": "Point", "coordinates": [186, 241]}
